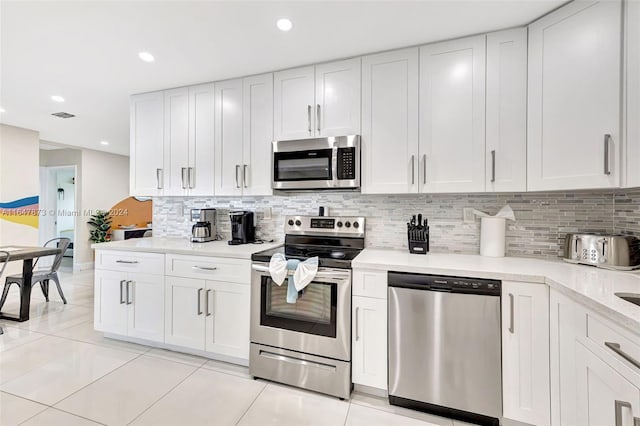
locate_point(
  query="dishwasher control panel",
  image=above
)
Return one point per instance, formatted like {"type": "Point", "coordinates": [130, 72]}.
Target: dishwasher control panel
{"type": "Point", "coordinates": [447, 284]}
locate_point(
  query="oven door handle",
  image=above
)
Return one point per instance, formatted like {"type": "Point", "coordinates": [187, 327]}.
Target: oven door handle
{"type": "Point", "coordinates": [320, 275]}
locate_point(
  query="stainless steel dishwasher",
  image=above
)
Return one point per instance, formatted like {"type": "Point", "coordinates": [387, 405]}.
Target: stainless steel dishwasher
{"type": "Point", "coordinates": [445, 347]}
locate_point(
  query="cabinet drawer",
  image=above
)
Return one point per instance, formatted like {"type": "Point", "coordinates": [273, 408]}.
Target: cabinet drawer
{"type": "Point", "coordinates": [615, 342]}
{"type": "Point", "coordinates": [130, 261]}
{"type": "Point", "coordinates": [370, 283]}
{"type": "Point", "coordinates": [209, 268]}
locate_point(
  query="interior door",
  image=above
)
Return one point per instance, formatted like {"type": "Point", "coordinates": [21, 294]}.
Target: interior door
{"type": "Point", "coordinates": [293, 101]}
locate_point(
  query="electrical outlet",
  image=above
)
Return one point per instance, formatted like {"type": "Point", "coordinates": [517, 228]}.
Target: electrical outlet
{"type": "Point", "coordinates": [266, 213]}
{"type": "Point", "coordinates": [467, 215]}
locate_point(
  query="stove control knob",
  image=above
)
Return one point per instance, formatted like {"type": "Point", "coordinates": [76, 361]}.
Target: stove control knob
{"type": "Point", "coordinates": [339, 224]}
{"type": "Point", "coordinates": [356, 225]}
{"type": "Point", "coordinates": [290, 222]}
{"type": "Point", "coordinates": [298, 223]}
{"type": "Point", "coordinates": [347, 224]}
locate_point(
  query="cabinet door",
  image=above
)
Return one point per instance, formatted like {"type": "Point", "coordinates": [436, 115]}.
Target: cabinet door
{"type": "Point", "coordinates": [632, 113]}
{"type": "Point", "coordinates": [147, 144]}
{"type": "Point", "coordinates": [146, 307]}
{"type": "Point", "coordinates": [227, 314]}
{"type": "Point", "coordinates": [228, 139]}
{"type": "Point", "coordinates": [602, 392]}
{"type": "Point", "coordinates": [176, 142]}
{"type": "Point", "coordinates": [293, 100]}
{"type": "Point", "coordinates": [574, 98]}
{"type": "Point", "coordinates": [506, 133]}
{"type": "Point", "coordinates": [257, 134]}
{"type": "Point", "coordinates": [525, 352]}
{"type": "Point", "coordinates": [390, 122]}
{"type": "Point", "coordinates": [110, 308]}
{"type": "Point", "coordinates": [337, 108]}
{"type": "Point", "coordinates": [452, 114]}
{"type": "Point", "coordinates": [184, 312]}
{"type": "Point", "coordinates": [369, 342]}
{"type": "Point", "coordinates": [200, 176]}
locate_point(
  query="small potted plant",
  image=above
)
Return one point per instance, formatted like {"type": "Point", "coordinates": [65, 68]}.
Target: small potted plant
{"type": "Point", "coordinates": [100, 223]}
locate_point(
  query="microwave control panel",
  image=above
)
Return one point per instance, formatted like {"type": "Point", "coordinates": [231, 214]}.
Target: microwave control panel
{"type": "Point", "coordinates": [346, 163]}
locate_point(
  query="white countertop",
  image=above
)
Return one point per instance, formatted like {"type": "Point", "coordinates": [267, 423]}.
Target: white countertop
{"type": "Point", "coordinates": [184, 246]}
{"type": "Point", "coordinates": [594, 287]}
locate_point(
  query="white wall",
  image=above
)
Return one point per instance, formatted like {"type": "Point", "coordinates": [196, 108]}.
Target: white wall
{"type": "Point", "coordinates": [19, 178]}
{"type": "Point", "coordinates": [105, 182]}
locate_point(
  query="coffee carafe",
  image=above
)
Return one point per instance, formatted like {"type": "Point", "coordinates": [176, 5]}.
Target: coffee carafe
{"type": "Point", "coordinates": [204, 228]}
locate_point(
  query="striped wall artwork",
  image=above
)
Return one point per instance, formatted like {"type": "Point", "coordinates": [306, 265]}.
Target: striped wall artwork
{"type": "Point", "coordinates": [24, 211]}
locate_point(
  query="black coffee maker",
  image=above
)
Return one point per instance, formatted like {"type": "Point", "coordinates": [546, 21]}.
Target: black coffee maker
{"type": "Point", "coordinates": [243, 229]}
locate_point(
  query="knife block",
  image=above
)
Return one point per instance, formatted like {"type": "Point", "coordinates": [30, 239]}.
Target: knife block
{"type": "Point", "coordinates": [418, 241]}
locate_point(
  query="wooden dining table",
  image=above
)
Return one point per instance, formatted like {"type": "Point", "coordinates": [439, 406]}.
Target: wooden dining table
{"type": "Point", "coordinates": [26, 254]}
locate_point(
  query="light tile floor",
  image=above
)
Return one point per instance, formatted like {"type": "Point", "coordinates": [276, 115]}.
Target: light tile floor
{"type": "Point", "coordinates": [56, 370]}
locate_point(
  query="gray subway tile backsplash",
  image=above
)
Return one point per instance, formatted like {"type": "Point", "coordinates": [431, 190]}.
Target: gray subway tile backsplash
{"type": "Point", "coordinates": [542, 219]}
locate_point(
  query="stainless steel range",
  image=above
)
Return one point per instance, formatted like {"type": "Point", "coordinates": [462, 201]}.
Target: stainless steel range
{"type": "Point", "coordinates": [307, 343]}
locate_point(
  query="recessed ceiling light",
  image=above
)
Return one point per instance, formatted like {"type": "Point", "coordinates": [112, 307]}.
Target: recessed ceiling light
{"type": "Point", "coordinates": [2, 110]}
{"type": "Point", "coordinates": [57, 98]}
{"type": "Point", "coordinates": [284, 24]}
{"type": "Point", "coordinates": [146, 56]}
{"type": "Point", "coordinates": [104, 143]}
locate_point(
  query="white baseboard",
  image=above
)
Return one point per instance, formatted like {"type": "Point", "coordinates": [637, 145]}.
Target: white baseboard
{"type": "Point", "coordinates": [83, 266]}
{"type": "Point", "coordinates": [382, 393]}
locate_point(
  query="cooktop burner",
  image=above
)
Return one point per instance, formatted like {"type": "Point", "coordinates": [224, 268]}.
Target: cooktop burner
{"type": "Point", "coordinates": [336, 241]}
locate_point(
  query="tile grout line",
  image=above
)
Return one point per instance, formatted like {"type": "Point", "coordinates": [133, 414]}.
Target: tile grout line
{"type": "Point", "coordinates": [346, 418]}
{"type": "Point", "coordinates": [162, 396]}
{"type": "Point", "coordinates": [66, 412]}
{"type": "Point", "coordinates": [252, 403]}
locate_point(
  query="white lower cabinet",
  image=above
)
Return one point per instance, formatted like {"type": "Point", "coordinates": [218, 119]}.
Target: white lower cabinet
{"type": "Point", "coordinates": [130, 304]}
{"type": "Point", "coordinates": [525, 352]}
{"type": "Point", "coordinates": [184, 319]}
{"type": "Point", "coordinates": [369, 328]}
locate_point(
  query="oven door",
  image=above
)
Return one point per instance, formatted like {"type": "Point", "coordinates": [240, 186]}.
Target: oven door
{"type": "Point", "coordinates": [319, 323]}
{"type": "Point", "coordinates": [307, 168]}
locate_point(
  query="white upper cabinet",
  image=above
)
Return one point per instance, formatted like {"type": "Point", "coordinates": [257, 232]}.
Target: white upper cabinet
{"type": "Point", "coordinates": [257, 134]}
{"type": "Point", "coordinates": [390, 122]}
{"type": "Point", "coordinates": [176, 141]}
{"type": "Point", "coordinates": [574, 97]}
{"type": "Point", "coordinates": [506, 111]}
{"type": "Point", "coordinates": [337, 108]}
{"type": "Point", "coordinates": [200, 172]}
{"type": "Point", "coordinates": [632, 83]}
{"type": "Point", "coordinates": [294, 93]}
{"type": "Point", "coordinates": [228, 137]}
{"type": "Point", "coordinates": [147, 144]}
{"type": "Point", "coordinates": [452, 116]}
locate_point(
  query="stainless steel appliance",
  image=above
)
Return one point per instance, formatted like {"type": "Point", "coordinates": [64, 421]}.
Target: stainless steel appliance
{"type": "Point", "coordinates": [445, 346]}
{"type": "Point", "coordinates": [319, 163]}
{"type": "Point", "coordinates": [243, 228]}
{"type": "Point", "coordinates": [307, 344]}
{"type": "Point", "coordinates": [610, 251]}
{"type": "Point", "coordinates": [204, 228]}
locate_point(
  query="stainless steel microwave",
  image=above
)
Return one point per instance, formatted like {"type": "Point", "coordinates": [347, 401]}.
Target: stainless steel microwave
{"type": "Point", "coordinates": [318, 163]}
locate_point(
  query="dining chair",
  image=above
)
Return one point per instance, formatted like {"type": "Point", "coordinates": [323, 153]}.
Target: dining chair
{"type": "Point", "coordinates": [41, 276]}
{"type": "Point", "coordinates": [5, 262]}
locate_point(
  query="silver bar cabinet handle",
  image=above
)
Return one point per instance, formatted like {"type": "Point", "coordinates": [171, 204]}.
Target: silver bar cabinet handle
{"type": "Point", "coordinates": [413, 170]}
{"type": "Point", "coordinates": [121, 291]}
{"type": "Point", "coordinates": [318, 118]}
{"type": "Point", "coordinates": [244, 175]}
{"type": "Point", "coordinates": [357, 324]}
{"type": "Point", "coordinates": [184, 181]}
{"type": "Point", "coordinates": [493, 165]}
{"type": "Point", "coordinates": [607, 143]}
{"type": "Point", "coordinates": [206, 304]}
{"type": "Point", "coordinates": [616, 348]}
{"type": "Point", "coordinates": [130, 292]}
{"type": "Point", "coordinates": [237, 169]}
{"type": "Point", "coordinates": [159, 180]}
{"type": "Point", "coordinates": [129, 262]}
{"type": "Point", "coordinates": [204, 268]}
{"type": "Point", "coordinates": [511, 309]}
{"type": "Point", "coordinates": [199, 300]}
{"type": "Point", "coordinates": [127, 293]}
{"type": "Point", "coordinates": [309, 118]}
{"type": "Point", "coordinates": [618, 409]}
{"type": "Point", "coordinates": [190, 173]}
{"type": "Point", "coordinates": [424, 165]}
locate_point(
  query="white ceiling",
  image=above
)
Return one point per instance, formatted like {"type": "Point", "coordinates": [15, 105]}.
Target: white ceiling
{"type": "Point", "coordinates": [87, 51]}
